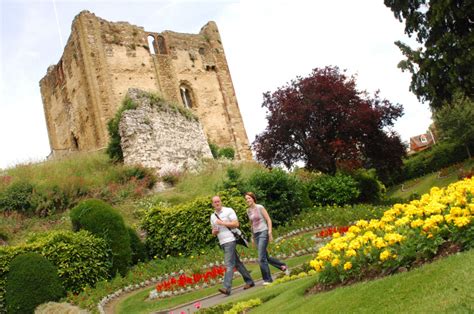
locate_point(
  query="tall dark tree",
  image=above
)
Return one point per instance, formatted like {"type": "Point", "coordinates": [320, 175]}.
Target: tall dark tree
{"type": "Point", "coordinates": [324, 121]}
{"type": "Point", "coordinates": [445, 62]}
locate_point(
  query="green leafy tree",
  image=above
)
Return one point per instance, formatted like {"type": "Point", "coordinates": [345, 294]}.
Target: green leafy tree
{"type": "Point", "coordinates": [444, 63]}
{"type": "Point", "coordinates": [456, 122]}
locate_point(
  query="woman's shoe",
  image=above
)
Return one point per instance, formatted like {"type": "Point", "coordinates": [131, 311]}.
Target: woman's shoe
{"type": "Point", "coordinates": [286, 270]}
{"type": "Point", "coordinates": [266, 283]}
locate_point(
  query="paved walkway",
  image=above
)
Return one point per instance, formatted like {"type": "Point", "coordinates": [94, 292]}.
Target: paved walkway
{"type": "Point", "coordinates": [213, 300]}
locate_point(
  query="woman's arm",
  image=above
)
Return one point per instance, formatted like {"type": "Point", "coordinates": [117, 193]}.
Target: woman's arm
{"type": "Point", "coordinates": [267, 218]}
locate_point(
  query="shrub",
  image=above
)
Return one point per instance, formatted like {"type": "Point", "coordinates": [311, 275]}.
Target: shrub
{"type": "Point", "coordinates": [18, 197]}
{"type": "Point", "coordinates": [234, 180]}
{"type": "Point", "coordinates": [114, 149]}
{"type": "Point", "coordinates": [227, 152]}
{"type": "Point", "coordinates": [125, 174]}
{"type": "Point", "coordinates": [186, 227]}
{"type": "Point", "coordinates": [370, 187]}
{"type": "Point", "coordinates": [81, 258]}
{"type": "Point", "coordinates": [439, 156]}
{"type": "Point", "coordinates": [137, 247]}
{"type": "Point", "coordinates": [214, 150]}
{"type": "Point", "coordinates": [31, 281]}
{"type": "Point", "coordinates": [103, 220]}
{"type": "Point", "coordinates": [339, 189]}
{"type": "Point", "coordinates": [280, 193]}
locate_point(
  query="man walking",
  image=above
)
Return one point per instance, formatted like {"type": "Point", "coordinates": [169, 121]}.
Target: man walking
{"type": "Point", "coordinates": [222, 220]}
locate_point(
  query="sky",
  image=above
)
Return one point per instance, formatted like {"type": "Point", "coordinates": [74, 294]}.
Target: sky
{"type": "Point", "coordinates": [267, 44]}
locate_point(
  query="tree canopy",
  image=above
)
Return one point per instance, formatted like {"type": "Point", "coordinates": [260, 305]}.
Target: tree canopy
{"type": "Point", "coordinates": [325, 122]}
{"type": "Point", "coordinates": [445, 62]}
{"type": "Point", "coordinates": [456, 122]}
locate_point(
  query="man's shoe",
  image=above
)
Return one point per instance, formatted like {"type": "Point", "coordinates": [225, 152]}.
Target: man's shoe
{"type": "Point", "coordinates": [248, 286]}
{"type": "Point", "coordinates": [224, 291]}
{"type": "Point", "coordinates": [266, 283]}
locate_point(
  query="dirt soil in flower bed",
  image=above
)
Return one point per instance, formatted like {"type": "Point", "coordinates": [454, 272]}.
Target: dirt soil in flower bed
{"type": "Point", "coordinates": [446, 249]}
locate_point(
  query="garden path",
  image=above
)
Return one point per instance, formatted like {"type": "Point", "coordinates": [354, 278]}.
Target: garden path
{"type": "Point", "coordinates": [212, 300]}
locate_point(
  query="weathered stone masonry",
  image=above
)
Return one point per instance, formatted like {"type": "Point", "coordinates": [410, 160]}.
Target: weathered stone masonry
{"type": "Point", "coordinates": [156, 136]}
{"type": "Point", "coordinates": [102, 60]}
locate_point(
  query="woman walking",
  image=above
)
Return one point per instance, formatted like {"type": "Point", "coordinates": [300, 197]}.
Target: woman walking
{"type": "Point", "coordinates": [261, 225]}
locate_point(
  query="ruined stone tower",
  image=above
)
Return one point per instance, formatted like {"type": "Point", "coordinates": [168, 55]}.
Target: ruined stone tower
{"type": "Point", "coordinates": [102, 60]}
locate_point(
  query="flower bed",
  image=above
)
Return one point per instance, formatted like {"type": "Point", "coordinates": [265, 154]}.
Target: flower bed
{"type": "Point", "coordinates": [182, 283]}
{"type": "Point", "coordinates": [406, 235]}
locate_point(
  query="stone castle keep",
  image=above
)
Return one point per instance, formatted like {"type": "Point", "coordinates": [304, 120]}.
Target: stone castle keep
{"type": "Point", "coordinates": [102, 60]}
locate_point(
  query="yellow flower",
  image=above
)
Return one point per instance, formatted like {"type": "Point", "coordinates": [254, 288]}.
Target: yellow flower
{"type": "Point", "coordinates": [335, 262]}
{"type": "Point", "coordinates": [461, 221]}
{"type": "Point", "coordinates": [402, 221]}
{"type": "Point", "coordinates": [417, 223]}
{"type": "Point", "coordinates": [324, 254]}
{"type": "Point", "coordinates": [393, 238]}
{"type": "Point", "coordinates": [379, 243]}
{"type": "Point", "coordinates": [354, 229]}
{"type": "Point", "coordinates": [317, 265]}
{"type": "Point", "coordinates": [351, 253]}
{"type": "Point", "coordinates": [347, 265]}
{"type": "Point", "coordinates": [355, 244]}
{"type": "Point", "coordinates": [362, 223]}
{"type": "Point", "coordinates": [385, 255]}
{"type": "Point", "coordinates": [336, 235]}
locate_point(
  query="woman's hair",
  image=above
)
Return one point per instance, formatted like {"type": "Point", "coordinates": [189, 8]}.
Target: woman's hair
{"type": "Point", "coordinates": [252, 195]}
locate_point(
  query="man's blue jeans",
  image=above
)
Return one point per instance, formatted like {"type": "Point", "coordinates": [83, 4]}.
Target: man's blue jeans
{"type": "Point", "coordinates": [261, 240]}
{"type": "Point", "coordinates": [231, 260]}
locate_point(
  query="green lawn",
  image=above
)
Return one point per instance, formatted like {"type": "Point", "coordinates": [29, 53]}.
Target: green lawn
{"type": "Point", "coordinates": [423, 184]}
{"type": "Point", "coordinates": [444, 286]}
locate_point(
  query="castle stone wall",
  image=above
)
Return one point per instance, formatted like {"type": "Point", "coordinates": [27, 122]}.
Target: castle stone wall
{"type": "Point", "coordinates": [160, 137]}
{"type": "Point", "coordinates": [103, 59]}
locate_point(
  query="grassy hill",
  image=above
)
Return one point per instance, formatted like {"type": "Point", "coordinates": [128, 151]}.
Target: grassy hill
{"type": "Point", "coordinates": [423, 184]}
{"type": "Point", "coordinates": [69, 180]}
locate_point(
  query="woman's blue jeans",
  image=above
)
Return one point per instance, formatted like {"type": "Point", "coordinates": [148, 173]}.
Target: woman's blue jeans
{"type": "Point", "coordinates": [261, 240]}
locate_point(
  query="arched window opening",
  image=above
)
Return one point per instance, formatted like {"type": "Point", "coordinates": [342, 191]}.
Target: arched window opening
{"type": "Point", "coordinates": [161, 45]}
{"type": "Point", "coordinates": [186, 97]}
{"type": "Point", "coordinates": [151, 44]}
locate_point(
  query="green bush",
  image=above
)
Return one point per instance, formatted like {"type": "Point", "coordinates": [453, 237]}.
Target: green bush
{"type": "Point", "coordinates": [221, 152]}
{"type": "Point", "coordinates": [437, 157]}
{"type": "Point", "coordinates": [81, 258]}
{"type": "Point", "coordinates": [137, 247]}
{"type": "Point", "coordinates": [114, 150]}
{"type": "Point", "coordinates": [103, 220]}
{"type": "Point", "coordinates": [186, 227]}
{"type": "Point", "coordinates": [370, 187]}
{"type": "Point", "coordinates": [282, 194]}
{"type": "Point", "coordinates": [18, 196]}
{"type": "Point", "coordinates": [31, 281]}
{"type": "Point", "coordinates": [339, 189]}
{"type": "Point", "coordinates": [125, 174]}
{"type": "Point", "coordinates": [234, 180]}
{"type": "Point", "coordinates": [214, 150]}
{"type": "Point", "coordinates": [226, 152]}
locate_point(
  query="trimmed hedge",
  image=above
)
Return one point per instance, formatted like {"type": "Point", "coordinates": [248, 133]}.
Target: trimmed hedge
{"type": "Point", "coordinates": [186, 227]}
{"type": "Point", "coordinates": [103, 220]}
{"type": "Point", "coordinates": [339, 189]}
{"type": "Point", "coordinates": [31, 281]}
{"type": "Point", "coordinates": [282, 194]}
{"type": "Point", "coordinates": [81, 258]}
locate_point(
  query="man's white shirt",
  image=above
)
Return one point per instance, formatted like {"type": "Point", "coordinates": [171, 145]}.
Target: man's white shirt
{"type": "Point", "coordinates": [227, 215]}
